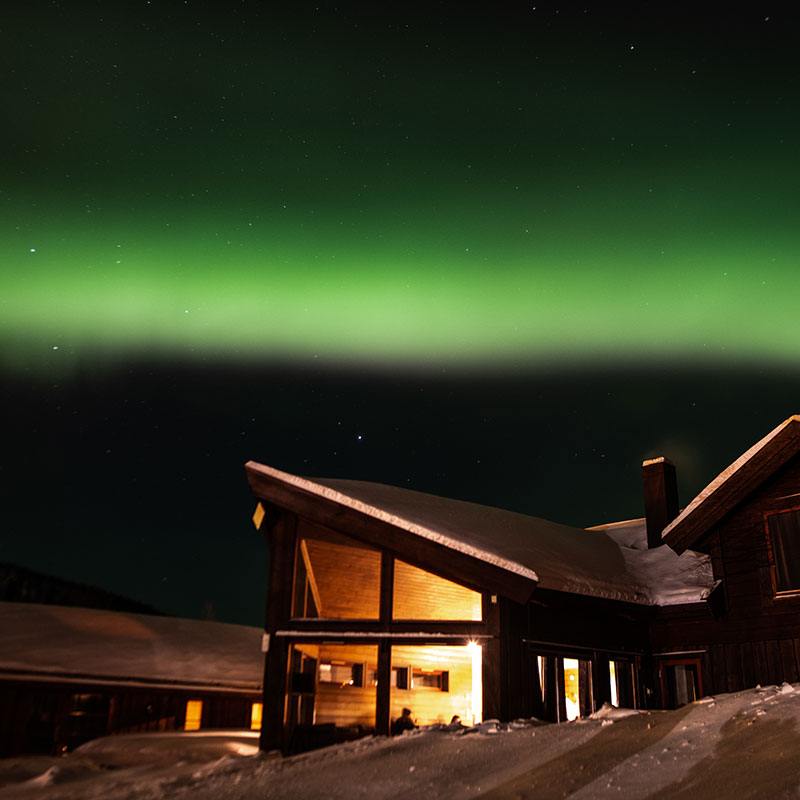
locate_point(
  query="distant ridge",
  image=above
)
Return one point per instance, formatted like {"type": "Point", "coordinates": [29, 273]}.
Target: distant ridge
{"type": "Point", "coordinates": [22, 585]}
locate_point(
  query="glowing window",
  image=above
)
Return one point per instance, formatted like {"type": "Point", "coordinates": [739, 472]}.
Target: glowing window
{"type": "Point", "coordinates": [432, 679]}
{"type": "Point", "coordinates": [441, 682]}
{"type": "Point", "coordinates": [577, 676]}
{"type": "Point", "coordinates": [344, 692]}
{"type": "Point", "coordinates": [422, 595]}
{"type": "Point", "coordinates": [194, 714]}
{"type": "Point", "coordinates": [342, 673]}
{"type": "Point", "coordinates": [335, 577]}
{"type": "Point", "coordinates": [256, 711]}
{"type": "Point", "coordinates": [571, 691]}
{"type": "Point", "coordinates": [612, 671]}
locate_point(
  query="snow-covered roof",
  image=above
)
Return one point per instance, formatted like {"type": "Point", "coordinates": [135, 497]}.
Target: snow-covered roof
{"type": "Point", "coordinates": [732, 484]}
{"type": "Point", "coordinates": [90, 644]}
{"type": "Point", "coordinates": [671, 579]}
{"type": "Point", "coordinates": [558, 557]}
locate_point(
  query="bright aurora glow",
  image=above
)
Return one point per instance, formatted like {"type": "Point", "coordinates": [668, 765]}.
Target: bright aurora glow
{"type": "Point", "coordinates": [526, 187]}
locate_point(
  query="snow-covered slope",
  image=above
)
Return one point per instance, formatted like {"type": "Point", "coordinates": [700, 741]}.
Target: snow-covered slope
{"type": "Point", "coordinates": [740, 745]}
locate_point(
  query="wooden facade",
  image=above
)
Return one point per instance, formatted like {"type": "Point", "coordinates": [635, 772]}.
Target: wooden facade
{"type": "Point", "coordinates": [753, 635]}
{"type": "Point", "coordinates": [56, 716]}
{"type": "Point", "coordinates": [373, 608]}
{"type": "Point", "coordinates": [416, 629]}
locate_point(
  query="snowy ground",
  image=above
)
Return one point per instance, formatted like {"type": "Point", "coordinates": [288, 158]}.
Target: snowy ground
{"type": "Point", "coordinates": [745, 745]}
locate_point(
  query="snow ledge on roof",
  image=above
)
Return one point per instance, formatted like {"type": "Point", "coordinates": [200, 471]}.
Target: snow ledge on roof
{"type": "Point", "coordinates": [425, 532]}
{"type": "Point", "coordinates": [726, 474]}
{"type": "Point", "coordinates": [670, 579]}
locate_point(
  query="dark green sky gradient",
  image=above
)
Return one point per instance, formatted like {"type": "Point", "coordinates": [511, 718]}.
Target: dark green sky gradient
{"type": "Point", "coordinates": [384, 185]}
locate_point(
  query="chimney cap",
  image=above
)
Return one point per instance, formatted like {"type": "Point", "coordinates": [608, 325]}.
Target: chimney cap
{"type": "Point", "coordinates": [660, 460]}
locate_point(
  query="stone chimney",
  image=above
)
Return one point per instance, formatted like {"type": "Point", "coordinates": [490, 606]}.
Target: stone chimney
{"type": "Point", "coordinates": [660, 482]}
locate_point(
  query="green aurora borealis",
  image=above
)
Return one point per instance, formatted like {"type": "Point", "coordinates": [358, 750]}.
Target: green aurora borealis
{"type": "Point", "coordinates": [513, 186]}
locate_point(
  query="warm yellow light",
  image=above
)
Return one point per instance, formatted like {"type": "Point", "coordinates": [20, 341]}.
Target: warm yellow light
{"type": "Point", "coordinates": [255, 716]}
{"type": "Point", "coordinates": [571, 689]}
{"type": "Point", "coordinates": [194, 714]}
{"type": "Point", "coordinates": [258, 516]}
{"type": "Point", "coordinates": [476, 651]}
{"type": "Point", "coordinates": [612, 671]}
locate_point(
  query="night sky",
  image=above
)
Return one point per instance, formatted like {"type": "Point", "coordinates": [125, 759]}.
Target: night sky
{"type": "Point", "coordinates": [498, 253]}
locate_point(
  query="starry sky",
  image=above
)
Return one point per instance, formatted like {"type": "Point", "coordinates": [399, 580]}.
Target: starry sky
{"type": "Point", "coordinates": [500, 253]}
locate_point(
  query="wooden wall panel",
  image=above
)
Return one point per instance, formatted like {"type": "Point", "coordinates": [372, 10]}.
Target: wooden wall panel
{"type": "Point", "coordinates": [733, 668]}
{"type": "Point", "coordinates": [719, 675]}
{"type": "Point", "coordinates": [760, 663]}
{"type": "Point", "coordinates": [421, 595]}
{"type": "Point", "coordinates": [752, 638]}
{"type": "Point", "coordinates": [748, 671]}
{"type": "Point", "coordinates": [774, 666]}
{"type": "Point", "coordinates": [788, 663]}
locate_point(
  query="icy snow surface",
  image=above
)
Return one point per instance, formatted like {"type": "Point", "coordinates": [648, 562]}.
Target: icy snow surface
{"type": "Point", "coordinates": [590, 562]}
{"type": "Point", "coordinates": [740, 745]}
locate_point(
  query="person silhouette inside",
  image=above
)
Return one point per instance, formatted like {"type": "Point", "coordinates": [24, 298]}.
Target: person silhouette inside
{"type": "Point", "coordinates": [403, 723]}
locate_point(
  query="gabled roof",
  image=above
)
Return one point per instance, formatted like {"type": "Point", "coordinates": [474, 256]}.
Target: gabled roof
{"type": "Point", "coordinates": [554, 556]}
{"type": "Point", "coordinates": [733, 484]}
{"type": "Point", "coordinates": [91, 645]}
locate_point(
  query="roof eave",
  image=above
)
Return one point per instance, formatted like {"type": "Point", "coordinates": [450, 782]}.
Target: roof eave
{"type": "Point", "coordinates": [276, 488]}
{"type": "Point", "coordinates": [758, 464]}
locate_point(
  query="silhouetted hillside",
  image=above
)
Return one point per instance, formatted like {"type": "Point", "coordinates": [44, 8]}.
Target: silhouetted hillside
{"type": "Point", "coordinates": [21, 585]}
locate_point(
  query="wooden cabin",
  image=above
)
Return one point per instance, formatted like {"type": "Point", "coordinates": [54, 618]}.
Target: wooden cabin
{"type": "Point", "coordinates": [747, 521]}
{"type": "Point", "coordinates": [383, 598]}
{"type": "Point", "coordinates": [71, 674]}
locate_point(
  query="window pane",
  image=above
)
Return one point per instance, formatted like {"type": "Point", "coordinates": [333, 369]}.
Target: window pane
{"type": "Point", "coordinates": [444, 681]}
{"type": "Point", "coordinates": [329, 685]}
{"type": "Point", "coordinates": [335, 577]}
{"type": "Point", "coordinates": [577, 687]}
{"type": "Point", "coordinates": [623, 692]}
{"type": "Point", "coordinates": [681, 684]}
{"type": "Point", "coordinates": [571, 691]}
{"type": "Point", "coordinates": [194, 713]}
{"type": "Point", "coordinates": [612, 672]}
{"type": "Point", "coordinates": [784, 532]}
{"type": "Point", "coordinates": [421, 595]}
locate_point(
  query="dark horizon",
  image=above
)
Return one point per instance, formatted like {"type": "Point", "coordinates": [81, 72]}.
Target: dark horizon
{"type": "Point", "coordinates": [132, 479]}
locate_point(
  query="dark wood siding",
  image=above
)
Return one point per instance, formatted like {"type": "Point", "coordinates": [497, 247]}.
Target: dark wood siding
{"type": "Point", "coordinates": [755, 636]}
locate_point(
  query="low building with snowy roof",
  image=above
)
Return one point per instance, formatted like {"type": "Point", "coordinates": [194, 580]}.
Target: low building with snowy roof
{"type": "Point", "coordinates": [383, 599]}
{"type": "Point", "coordinates": [70, 674]}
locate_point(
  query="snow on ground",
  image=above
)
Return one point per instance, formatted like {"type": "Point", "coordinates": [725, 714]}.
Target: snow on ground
{"type": "Point", "coordinates": [745, 745]}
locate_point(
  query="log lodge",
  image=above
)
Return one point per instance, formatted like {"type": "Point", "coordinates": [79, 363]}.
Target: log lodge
{"type": "Point", "coordinates": [382, 599]}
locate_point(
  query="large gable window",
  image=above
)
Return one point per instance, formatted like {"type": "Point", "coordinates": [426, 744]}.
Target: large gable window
{"type": "Point", "coordinates": [784, 537]}
{"type": "Point", "coordinates": [335, 577]}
